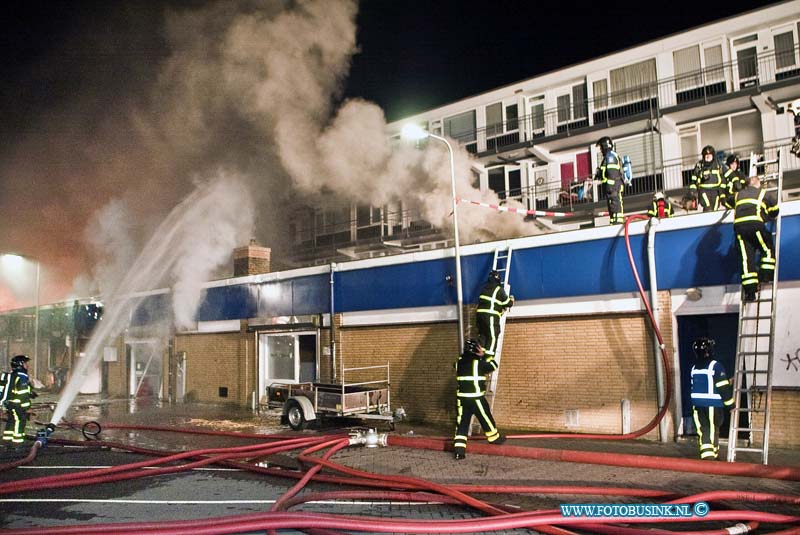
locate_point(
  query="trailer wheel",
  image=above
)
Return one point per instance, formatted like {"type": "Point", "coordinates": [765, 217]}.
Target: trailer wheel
{"type": "Point", "coordinates": [294, 415]}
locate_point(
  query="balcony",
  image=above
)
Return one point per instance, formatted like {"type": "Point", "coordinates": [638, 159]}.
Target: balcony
{"type": "Point", "coordinates": [649, 101]}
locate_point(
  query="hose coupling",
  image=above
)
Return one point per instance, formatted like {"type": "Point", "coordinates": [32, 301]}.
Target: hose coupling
{"type": "Point", "coordinates": [43, 434]}
{"type": "Point", "coordinates": [369, 438]}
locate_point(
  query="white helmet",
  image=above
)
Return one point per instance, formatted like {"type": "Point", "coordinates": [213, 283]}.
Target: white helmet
{"type": "Point", "coordinates": [658, 196]}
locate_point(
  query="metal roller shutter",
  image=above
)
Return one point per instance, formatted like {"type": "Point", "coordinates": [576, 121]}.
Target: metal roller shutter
{"type": "Point", "coordinates": [644, 151]}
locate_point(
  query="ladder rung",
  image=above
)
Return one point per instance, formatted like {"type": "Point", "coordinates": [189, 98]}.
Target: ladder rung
{"type": "Point", "coordinates": [760, 335]}
{"type": "Point", "coordinates": [753, 353]}
{"type": "Point", "coordinates": [758, 450]}
{"type": "Point", "coordinates": [762, 318]}
{"type": "Point", "coordinates": [753, 411]}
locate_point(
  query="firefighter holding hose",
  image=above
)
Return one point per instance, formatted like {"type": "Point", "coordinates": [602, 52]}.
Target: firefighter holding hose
{"type": "Point", "coordinates": [16, 399]}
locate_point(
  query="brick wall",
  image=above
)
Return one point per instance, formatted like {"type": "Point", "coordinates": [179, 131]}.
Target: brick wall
{"type": "Point", "coordinates": [219, 360]}
{"type": "Point", "coordinates": [784, 431]}
{"type": "Point", "coordinates": [549, 365]}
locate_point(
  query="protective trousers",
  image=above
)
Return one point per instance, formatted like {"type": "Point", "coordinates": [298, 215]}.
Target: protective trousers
{"type": "Point", "coordinates": [488, 331]}
{"type": "Point", "coordinates": [613, 192]}
{"type": "Point", "coordinates": [467, 407]}
{"type": "Point", "coordinates": [709, 199]}
{"type": "Point", "coordinates": [16, 420]}
{"type": "Point", "coordinates": [752, 236]}
{"type": "Point", "coordinates": [708, 420]}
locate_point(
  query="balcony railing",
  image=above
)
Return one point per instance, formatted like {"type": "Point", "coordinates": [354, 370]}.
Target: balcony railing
{"type": "Point", "coordinates": [648, 100]}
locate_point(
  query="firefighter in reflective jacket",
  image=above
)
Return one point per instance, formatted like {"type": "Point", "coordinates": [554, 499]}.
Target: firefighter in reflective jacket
{"type": "Point", "coordinates": [492, 304]}
{"type": "Point", "coordinates": [610, 176]}
{"type": "Point", "coordinates": [661, 207]}
{"type": "Point", "coordinates": [16, 398]}
{"type": "Point", "coordinates": [733, 180]}
{"type": "Point", "coordinates": [707, 178]}
{"type": "Point", "coordinates": [711, 391]}
{"type": "Point", "coordinates": [753, 207]}
{"type": "Point", "coordinates": [471, 370]}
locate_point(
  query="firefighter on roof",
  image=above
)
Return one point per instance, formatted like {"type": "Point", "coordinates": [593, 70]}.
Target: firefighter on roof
{"type": "Point", "coordinates": [707, 180]}
{"type": "Point", "coordinates": [733, 180]}
{"type": "Point", "coordinates": [711, 391]}
{"type": "Point", "coordinates": [610, 176]}
{"type": "Point", "coordinates": [16, 398]}
{"type": "Point", "coordinates": [661, 207]}
{"type": "Point", "coordinates": [492, 304]}
{"type": "Point", "coordinates": [753, 208]}
{"type": "Point", "coordinates": [471, 370]}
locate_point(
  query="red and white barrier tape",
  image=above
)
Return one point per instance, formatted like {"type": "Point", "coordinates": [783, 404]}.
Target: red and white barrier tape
{"type": "Point", "coordinates": [516, 210]}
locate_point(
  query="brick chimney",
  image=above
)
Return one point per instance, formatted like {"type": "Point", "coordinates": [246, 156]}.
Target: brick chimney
{"type": "Point", "coordinates": [251, 259]}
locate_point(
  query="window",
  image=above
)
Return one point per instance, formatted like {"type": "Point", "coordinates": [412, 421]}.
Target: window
{"type": "Point", "coordinates": [687, 68]}
{"type": "Point", "coordinates": [714, 69]}
{"type": "Point", "coordinates": [497, 181]}
{"type": "Point", "coordinates": [600, 92]}
{"type": "Point", "coordinates": [511, 117]}
{"type": "Point", "coordinates": [461, 127]}
{"type": "Point", "coordinates": [579, 101]}
{"type": "Point", "coordinates": [633, 83]}
{"type": "Point", "coordinates": [563, 106]}
{"type": "Point", "coordinates": [784, 50]}
{"type": "Point", "coordinates": [536, 105]}
{"type": "Point", "coordinates": [494, 119]}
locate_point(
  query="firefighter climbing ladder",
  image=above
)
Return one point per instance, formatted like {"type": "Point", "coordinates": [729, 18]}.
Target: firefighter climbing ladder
{"type": "Point", "coordinates": [502, 264]}
{"type": "Point", "coordinates": [752, 378]}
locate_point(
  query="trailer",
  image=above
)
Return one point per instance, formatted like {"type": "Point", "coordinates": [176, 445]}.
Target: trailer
{"type": "Point", "coordinates": [303, 403]}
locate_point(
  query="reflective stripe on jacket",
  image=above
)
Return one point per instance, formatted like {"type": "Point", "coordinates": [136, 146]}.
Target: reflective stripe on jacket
{"type": "Point", "coordinates": [754, 204]}
{"type": "Point", "coordinates": [710, 385]}
{"type": "Point", "coordinates": [471, 373]}
{"type": "Point", "coordinates": [493, 300]}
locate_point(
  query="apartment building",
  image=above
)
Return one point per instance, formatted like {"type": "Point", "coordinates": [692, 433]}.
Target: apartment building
{"type": "Point", "coordinates": [724, 84]}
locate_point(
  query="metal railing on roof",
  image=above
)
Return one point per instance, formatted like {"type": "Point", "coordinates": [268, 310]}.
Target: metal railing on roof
{"type": "Point", "coordinates": [647, 100]}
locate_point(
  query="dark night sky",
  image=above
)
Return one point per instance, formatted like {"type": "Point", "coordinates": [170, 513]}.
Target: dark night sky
{"type": "Point", "coordinates": [415, 54]}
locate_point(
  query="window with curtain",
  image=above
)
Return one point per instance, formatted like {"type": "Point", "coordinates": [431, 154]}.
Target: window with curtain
{"type": "Point", "coordinates": [600, 92]}
{"type": "Point", "coordinates": [494, 119]}
{"type": "Point", "coordinates": [714, 69]}
{"type": "Point", "coordinates": [784, 50]}
{"type": "Point", "coordinates": [633, 83]}
{"type": "Point", "coordinates": [461, 127]}
{"type": "Point", "coordinates": [687, 68]}
{"type": "Point", "coordinates": [562, 103]}
{"type": "Point", "coordinates": [537, 116]}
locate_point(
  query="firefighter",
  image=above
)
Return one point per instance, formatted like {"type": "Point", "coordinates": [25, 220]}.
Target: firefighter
{"type": "Point", "coordinates": [471, 370]}
{"type": "Point", "coordinates": [732, 180]}
{"type": "Point", "coordinates": [610, 176]}
{"type": "Point", "coordinates": [753, 207]}
{"type": "Point", "coordinates": [711, 392]}
{"type": "Point", "coordinates": [492, 304]}
{"type": "Point", "coordinates": [707, 180]}
{"type": "Point", "coordinates": [661, 207]}
{"type": "Point", "coordinates": [16, 398]}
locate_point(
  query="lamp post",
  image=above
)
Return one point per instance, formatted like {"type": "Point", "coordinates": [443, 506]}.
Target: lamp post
{"type": "Point", "coordinates": [415, 132]}
{"type": "Point", "coordinates": [20, 258]}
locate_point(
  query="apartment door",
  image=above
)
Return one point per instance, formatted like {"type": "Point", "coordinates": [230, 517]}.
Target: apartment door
{"type": "Point", "coordinates": [287, 357]}
{"type": "Point", "coordinates": [722, 328]}
{"type": "Point", "coordinates": [745, 49]}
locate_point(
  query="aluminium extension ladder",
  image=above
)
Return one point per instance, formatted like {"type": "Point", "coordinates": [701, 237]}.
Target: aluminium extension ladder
{"type": "Point", "coordinates": [502, 264]}
{"type": "Point", "coordinates": [755, 347]}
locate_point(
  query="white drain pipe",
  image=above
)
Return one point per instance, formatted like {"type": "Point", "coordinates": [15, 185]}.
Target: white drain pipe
{"type": "Point", "coordinates": [651, 266]}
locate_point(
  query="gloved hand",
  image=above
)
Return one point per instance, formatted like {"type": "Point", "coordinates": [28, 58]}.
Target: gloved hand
{"type": "Point", "coordinates": [34, 395]}
{"type": "Point", "coordinates": [511, 302]}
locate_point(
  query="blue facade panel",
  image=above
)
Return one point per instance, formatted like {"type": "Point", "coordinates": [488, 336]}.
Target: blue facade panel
{"type": "Point", "coordinates": [703, 256]}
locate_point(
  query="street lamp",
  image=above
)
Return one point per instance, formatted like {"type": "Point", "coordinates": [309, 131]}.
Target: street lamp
{"type": "Point", "coordinates": [413, 131]}
{"type": "Point", "coordinates": [18, 258]}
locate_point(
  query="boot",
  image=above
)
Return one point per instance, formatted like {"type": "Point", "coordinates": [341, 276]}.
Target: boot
{"type": "Point", "coordinates": [500, 440]}
{"type": "Point", "coordinates": [460, 453]}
